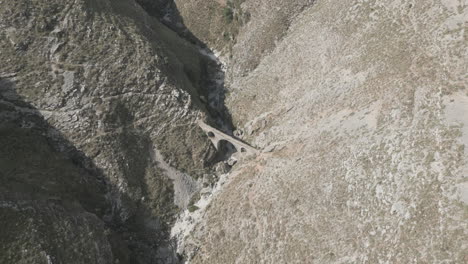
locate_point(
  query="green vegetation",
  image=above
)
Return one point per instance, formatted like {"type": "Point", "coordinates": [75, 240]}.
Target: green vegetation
{"type": "Point", "coordinates": [228, 14]}
{"type": "Point", "coordinates": [234, 18]}
{"type": "Point", "coordinates": [192, 208]}
{"type": "Point", "coordinates": [226, 36]}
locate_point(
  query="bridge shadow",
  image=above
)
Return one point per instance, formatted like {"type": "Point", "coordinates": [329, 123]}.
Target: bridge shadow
{"type": "Point", "coordinates": [225, 150]}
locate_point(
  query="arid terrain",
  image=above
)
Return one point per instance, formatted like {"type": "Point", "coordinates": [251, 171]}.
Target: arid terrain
{"type": "Point", "coordinates": [126, 129]}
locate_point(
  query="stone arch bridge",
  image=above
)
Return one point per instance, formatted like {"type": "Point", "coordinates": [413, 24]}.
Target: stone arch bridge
{"type": "Point", "coordinates": [216, 136]}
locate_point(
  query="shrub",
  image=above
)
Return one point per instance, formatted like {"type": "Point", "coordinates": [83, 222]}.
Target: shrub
{"type": "Point", "coordinates": [228, 14]}
{"type": "Point", "coordinates": [191, 205]}
{"type": "Point", "coordinates": [226, 36]}
{"type": "Point", "coordinates": [192, 208]}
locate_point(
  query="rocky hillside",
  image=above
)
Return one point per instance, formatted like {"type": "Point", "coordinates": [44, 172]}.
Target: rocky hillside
{"type": "Point", "coordinates": [361, 110]}
{"type": "Point", "coordinates": [99, 149]}
{"type": "Point", "coordinates": [358, 108]}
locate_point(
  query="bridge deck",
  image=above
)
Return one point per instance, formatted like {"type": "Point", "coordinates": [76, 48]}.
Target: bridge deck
{"type": "Point", "coordinates": [219, 135]}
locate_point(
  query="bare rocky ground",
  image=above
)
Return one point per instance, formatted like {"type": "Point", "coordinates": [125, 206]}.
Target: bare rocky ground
{"type": "Point", "coordinates": [98, 102]}
{"type": "Point", "coordinates": [359, 109]}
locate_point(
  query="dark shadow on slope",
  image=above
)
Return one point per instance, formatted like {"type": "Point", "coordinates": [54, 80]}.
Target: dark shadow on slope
{"type": "Point", "coordinates": [65, 202]}
{"type": "Point", "coordinates": [167, 13]}
{"type": "Point", "coordinates": [211, 86]}
{"type": "Point", "coordinates": [72, 182]}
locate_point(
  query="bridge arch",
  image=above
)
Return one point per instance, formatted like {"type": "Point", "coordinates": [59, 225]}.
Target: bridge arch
{"type": "Point", "coordinates": [210, 134]}
{"type": "Point", "coordinates": [220, 142]}
{"type": "Point", "coordinates": [236, 148]}
{"type": "Point", "coordinates": [216, 136]}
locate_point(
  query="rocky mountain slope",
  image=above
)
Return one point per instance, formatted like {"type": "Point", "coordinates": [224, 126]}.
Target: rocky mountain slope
{"type": "Point", "coordinates": [359, 109]}
{"type": "Point", "coordinates": [99, 146]}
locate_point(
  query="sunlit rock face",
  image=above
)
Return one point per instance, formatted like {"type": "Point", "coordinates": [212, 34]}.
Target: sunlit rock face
{"type": "Point", "coordinates": [358, 111]}
{"type": "Point", "coordinates": [362, 107]}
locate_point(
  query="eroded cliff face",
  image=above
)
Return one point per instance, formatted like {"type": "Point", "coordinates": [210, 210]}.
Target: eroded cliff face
{"type": "Point", "coordinates": [243, 31]}
{"type": "Point", "coordinates": [99, 149]}
{"type": "Point", "coordinates": [361, 110]}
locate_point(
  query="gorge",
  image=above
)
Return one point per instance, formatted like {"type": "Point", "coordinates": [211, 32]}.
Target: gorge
{"type": "Point", "coordinates": [233, 131]}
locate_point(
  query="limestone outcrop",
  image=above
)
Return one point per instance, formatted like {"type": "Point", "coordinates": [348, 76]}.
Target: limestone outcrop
{"type": "Point", "coordinates": [358, 110]}
{"type": "Point", "coordinates": [363, 107]}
